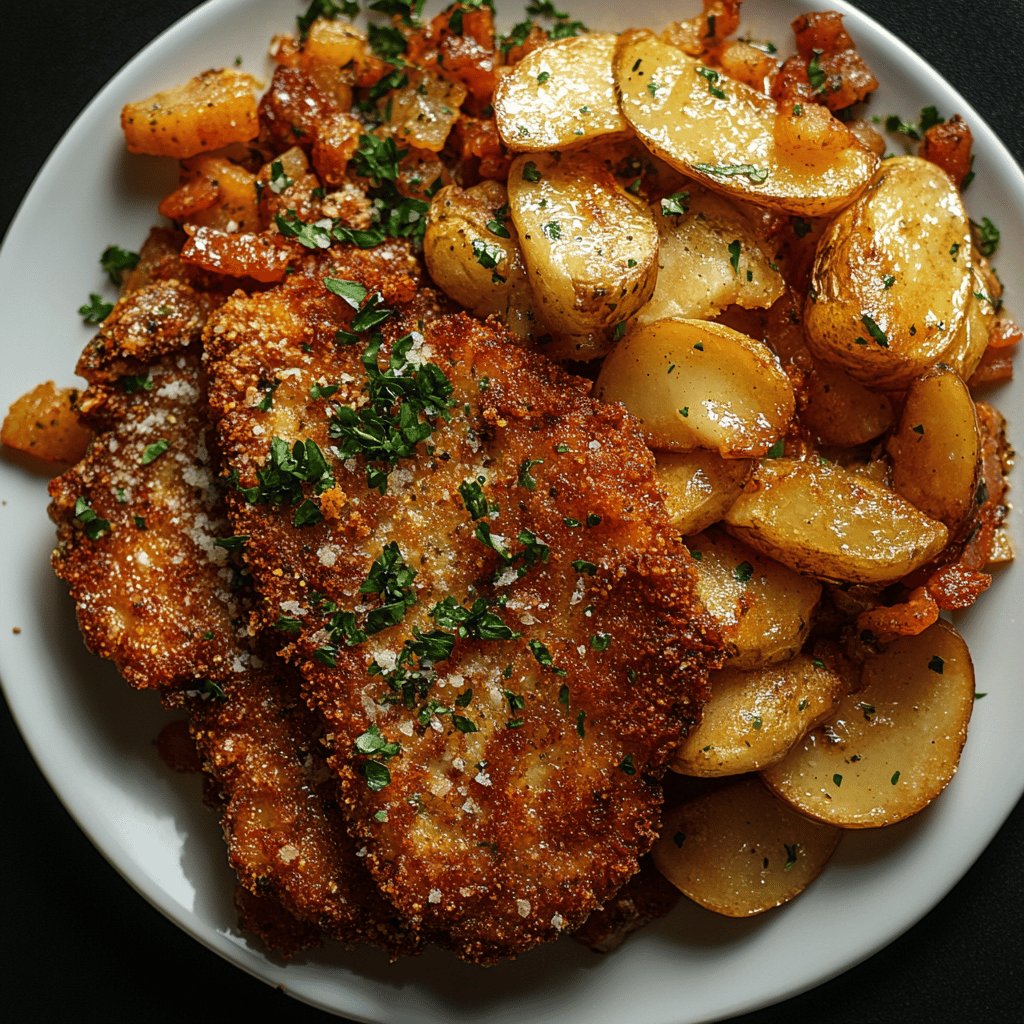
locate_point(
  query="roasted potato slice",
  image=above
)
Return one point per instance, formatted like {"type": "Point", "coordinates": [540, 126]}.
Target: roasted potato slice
{"type": "Point", "coordinates": [723, 133]}
{"type": "Point", "coordinates": [559, 95]}
{"type": "Point", "coordinates": [699, 486]}
{"type": "Point", "coordinates": [739, 851]}
{"type": "Point", "coordinates": [209, 111]}
{"type": "Point", "coordinates": [753, 718]}
{"type": "Point", "coordinates": [709, 257]}
{"type": "Point", "coordinates": [424, 111]}
{"type": "Point", "coordinates": [473, 254]}
{"type": "Point", "coordinates": [936, 449]}
{"type": "Point", "coordinates": [829, 522]}
{"type": "Point", "coordinates": [892, 277]}
{"type": "Point", "coordinates": [964, 355]}
{"type": "Point", "coordinates": [44, 424]}
{"type": "Point", "coordinates": [695, 384]}
{"type": "Point", "coordinates": [890, 748]}
{"type": "Point", "coordinates": [590, 249]}
{"type": "Point", "coordinates": [765, 609]}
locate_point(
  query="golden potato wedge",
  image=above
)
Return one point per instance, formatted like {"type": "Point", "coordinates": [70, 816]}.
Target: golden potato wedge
{"type": "Point", "coordinates": [764, 608]}
{"type": "Point", "coordinates": [696, 384]}
{"type": "Point", "coordinates": [890, 748]}
{"type": "Point", "coordinates": [936, 448]}
{"type": "Point", "coordinates": [699, 486]}
{"type": "Point", "coordinates": [708, 258]}
{"type": "Point", "coordinates": [590, 249]}
{"type": "Point", "coordinates": [739, 851]}
{"type": "Point", "coordinates": [472, 252]}
{"type": "Point", "coordinates": [209, 111]}
{"type": "Point", "coordinates": [722, 132]}
{"type": "Point", "coordinates": [892, 277]}
{"type": "Point", "coordinates": [829, 522]}
{"type": "Point", "coordinates": [559, 95]}
{"type": "Point", "coordinates": [44, 424]}
{"type": "Point", "coordinates": [753, 718]}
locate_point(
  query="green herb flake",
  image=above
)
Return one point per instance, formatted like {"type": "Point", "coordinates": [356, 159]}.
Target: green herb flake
{"type": "Point", "coordinates": [876, 332]}
{"type": "Point", "coordinates": [888, 281]}
{"type": "Point", "coordinates": [895, 778]}
{"type": "Point", "coordinates": [712, 77]}
{"type": "Point", "coordinates": [153, 451]}
{"type": "Point", "coordinates": [837, 779]}
{"type": "Point", "coordinates": [815, 73]}
{"type": "Point", "coordinates": [584, 567]}
{"type": "Point", "coordinates": [777, 450]}
{"type": "Point", "coordinates": [530, 172]}
{"type": "Point", "coordinates": [581, 728]}
{"type": "Point", "coordinates": [792, 853]}
{"type": "Point", "coordinates": [936, 664]}
{"type": "Point", "coordinates": [742, 572]}
{"type": "Point", "coordinates": [525, 479]}
{"type": "Point", "coordinates": [600, 642]}
{"type": "Point", "coordinates": [626, 765]}
{"type": "Point", "coordinates": [734, 255]}
{"type": "Point", "coordinates": [543, 77]}
{"type": "Point", "coordinates": [986, 236]}
{"type": "Point", "coordinates": [757, 175]}
{"type": "Point", "coordinates": [95, 311]}
{"type": "Point", "coordinates": [115, 261]}
{"type": "Point", "coordinates": [377, 775]}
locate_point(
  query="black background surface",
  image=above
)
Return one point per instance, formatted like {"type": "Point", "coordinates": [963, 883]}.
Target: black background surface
{"type": "Point", "coordinates": [79, 944]}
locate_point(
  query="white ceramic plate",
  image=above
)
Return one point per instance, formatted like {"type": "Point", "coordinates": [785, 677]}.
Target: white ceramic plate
{"type": "Point", "coordinates": [92, 737]}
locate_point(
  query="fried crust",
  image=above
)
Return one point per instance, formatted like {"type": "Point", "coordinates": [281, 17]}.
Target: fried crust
{"type": "Point", "coordinates": [492, 836]}
{"type": "Point", "coordinates": [261, 746]}
{"type": "Point", "coordinates": [152, 590]}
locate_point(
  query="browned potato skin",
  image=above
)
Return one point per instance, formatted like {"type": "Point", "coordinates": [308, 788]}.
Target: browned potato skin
{"type": "Point", "coordinates": [765, 609]}
{"type": "Point", "coordinates": [688, 126]}
{"type": "Point", "coordinates": [753, 718]}
{"type": "Point", "coordinates": [899, 257]}
{"type": "Point", "coordinates": [211, 110]}
{"type": "Point", "coordinates": [457, 219]}
{"type": "Point", "coordinates": [44, 424]}
{"type": "Point", "coordinates": [728, 849]}
{"type": "Point", "coordinates": [829, 522]}
{"type": "Point", "coordinates": [936, 448]}
{"type": "Point", "coordinates": [890, 748]}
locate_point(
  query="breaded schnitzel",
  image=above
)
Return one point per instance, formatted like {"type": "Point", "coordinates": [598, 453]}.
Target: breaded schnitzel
{"type": "Point", "coordinates": [471, 564]}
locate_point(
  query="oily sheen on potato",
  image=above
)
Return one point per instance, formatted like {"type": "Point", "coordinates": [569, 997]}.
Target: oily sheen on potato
{"type": "Point", "coordinates": [696, 384]}
{"type": "Point", "coordinates": [722, 132]}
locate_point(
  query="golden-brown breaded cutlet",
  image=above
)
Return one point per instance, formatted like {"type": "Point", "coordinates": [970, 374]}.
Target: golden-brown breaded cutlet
{"type": "Point", "coordinates": [262, 748]}
{"type": "Point", "coordinates": [138, 524]}
{"type": "Point", "coordinates": [470, 561]}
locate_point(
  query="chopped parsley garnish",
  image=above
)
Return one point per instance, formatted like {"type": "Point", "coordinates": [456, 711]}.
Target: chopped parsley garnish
{"type": "Point", "coordinates": [95, 311]}
{"type": "Point", "coordinates": [986, 236]}
{"type": "Point", "coordinates": [552, 229]}
{"type": "Point", "coordinates": [351, 291]}
{"type": "Point", "coordinates": [792, 852]}
{"type": "Point", "coordinates": [153, 451]}
{"type": "Point", "coordinates": [280, 480]}
{"type": "Point", "coordinates": [600, 641]}
{"type": "Point", "coordinates": [777, 450]}
{"type": "Point", "coordinates": [734, 255]}
{"type": "Point", "coordinates": [543, 77]}
{"type": "Point", "coordinates": [837, 779]}
{"type": "Point", "coordinates": [876, 332]}
{"type": "Point", "coordinates": [675, 204]}
{"type": "Point", "coordinates": [329, 9]}
{"type": "Point", "coordinates": [268, 387]}
{"type": "Point", "coordinates": [530, 172]}
{"type": "Point", "coordinates": [210, 690]}
{"type": "Point", "coordinates": [409, 12]}
{"type": "Point", "coordinates": [626, 765]}
{"type": "Point", "coordinates": [387, 42]}
{"type": "Point", "coordinates": [815, 73]}
{"type": "Point", "coordinates": [233, 543]}
{"type": "Point", "coordinates": [581, 728]}
{"type": "Point", "coordinates": [755, 174]}
{"type": "Point", "coordinates": [377, 158]}
{"type": "Point", "coordinates": [464, 724]}
{"type": "Point", "coordinates": [115, 261]}
{"type": "Point", "coordinates": [131, 385]}
{"type": "Point", "coordinates": [392, 579]}
{"type": "Point", "coordinates": [895, 778]}
{"type": "Point", "coordinates": [279, 180]}
{"type": "Point", "coordinates": [477, 622]}
{"type": "Point", "coordinates": [936, 664]}
{"type": "Point", "coordinates": [525, 479]}
{"type": "Point", "coordinates": [584, 567]}
{"type": "Point", "coordinates": [742, 572]}
{"type": "Point", "coordinates": [711, 77]}
{"type": "Point", "coordinates": [473, 498]}
{"type": "Point", "coordinates": [377, 775]}
{"type": "Point", "coordinates": [94, 525]}
{"type": "Point", "coordinates": [488, 254]}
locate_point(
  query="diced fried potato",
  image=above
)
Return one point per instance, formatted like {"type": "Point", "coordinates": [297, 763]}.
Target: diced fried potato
{"type": "Point", "coordinates": [722, 132]}
{"type": "Point", "coordinates": [936, 448]}
{"type": "Point", "coordinates": [829, 522]}
{"type": "Point", "coordinates": [739, 851]}
{"type": "Point", "coordinates": [334, 41]}
{"type": "Point", "coordinates": [478, 268]}
{"type": "Point", "coordinates": [753, 718]}
{"type": "Point", "coordinates": [44, 424]}
{"type": "Point", "coordinates": [699, 486]}
{"type": "Point", "coordinates": [765, 609]}
{"type": "Point", "coordinates": [708, 258]}
{"type": "Point", "coordinates": [892, 277]}
{"type": "Point", "coordinates": [590, 249]}
{"type": "Point", "coordinates": [559, 95]}
{"type": "Point", "coordinates": [695, 384]}
{"type": "Point", "coordinates": [890, 748]}
{"type": "Point", "coordinates": [209, 111]}
{"type": "Point", "coordinates": [236, 207]}
{"type": "Point", "coordinates": [425, 109]}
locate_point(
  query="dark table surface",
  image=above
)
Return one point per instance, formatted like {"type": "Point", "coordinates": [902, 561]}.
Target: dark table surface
{"type": "Point", "coordinates": [79, 944]}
